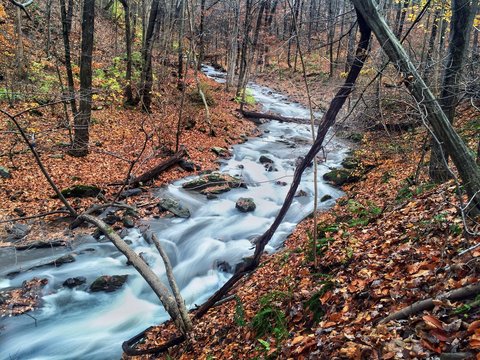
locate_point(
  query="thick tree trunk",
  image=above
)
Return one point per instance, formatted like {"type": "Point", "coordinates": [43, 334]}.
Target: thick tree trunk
{"type": "Point", "coordinates": [82, 120]}
{"type": "Point", "coordinates": [441, 127]}
{"type": "Point", "coordinates": [233, 49]}
{"type": "Point", "coordinates": [460, 27]}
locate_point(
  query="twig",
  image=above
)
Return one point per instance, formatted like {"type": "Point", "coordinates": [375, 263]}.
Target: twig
{"type": "Point", "coordinates": [35, 216]}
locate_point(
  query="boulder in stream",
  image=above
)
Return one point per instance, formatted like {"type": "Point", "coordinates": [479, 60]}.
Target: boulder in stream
{"type": "Point", "coordinates": [74, 282]}
{"type": "Point", "coordinates": [214, 183]}
{"type": "Point", "coordinates": [65, 259]}
{"type": "Point", "coordinates": [220, 151]}
{"type": "Point", "coordinates": [168, 204]}
{"type": "Point", "coordinates": [108, 283]}
{"type": "Point", "coordinates": [245, 204]}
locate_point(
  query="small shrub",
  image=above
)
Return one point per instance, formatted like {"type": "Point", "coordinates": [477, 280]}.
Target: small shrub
{"type": "Point", "coordinates": [249, 99]}
{"type": "Point", "coordinates": [271, 319]}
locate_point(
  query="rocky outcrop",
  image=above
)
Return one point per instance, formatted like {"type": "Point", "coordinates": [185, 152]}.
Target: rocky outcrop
{"type": "Point", "coordinates": [245, 204]}
{"type": "Point", "coordinates": [108, 283]}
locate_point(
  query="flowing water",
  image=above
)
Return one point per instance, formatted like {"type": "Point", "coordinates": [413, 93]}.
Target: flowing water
{"type": "Point", "coordinates": [204, 249]}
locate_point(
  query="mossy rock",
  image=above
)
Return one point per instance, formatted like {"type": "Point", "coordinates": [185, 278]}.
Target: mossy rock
{"type": "Point", "coordinates": [168, 204]}
{"type": "Point", "coordinates": [326, 198]}
{"type": "Point", "coordinates": [350, 162]}
{"type": "Point", "coordinates": [245, 204]}
{"type": "Point", "coordinates": [339, 177]}
{"type": "Point", "coordinates": [108, 283]}
{"type": "Point", "coordinates": [81, 191]}
{"type": "Point", "coordinates": [214, 183]}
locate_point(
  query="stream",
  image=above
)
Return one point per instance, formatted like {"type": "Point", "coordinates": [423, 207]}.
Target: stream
{"type": "Point", "coordinates": [204, 249]}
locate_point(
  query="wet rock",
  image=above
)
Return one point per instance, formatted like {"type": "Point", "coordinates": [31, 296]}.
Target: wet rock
{"type": "Point", "coordinates": [340, 177]}
{"type": "Point", "coordinates": [214, 183]}
{"type": "Point", "coordinates": [220, 151]}
{"type": "Point", "coordinates": [65, 259]}
{"type": "Point", "coordinates": [245, 261]}
{"type": "Point", "coordinates": [81, 191]}
{"type": "Point", "coordinates": [281, 183]}
{"type": "Point", "coordinates": [224, 266]}
{"type": "Point", "coordinates": [211, 196]}
{"type": "Point", "coordinates": [17, 232]}
{"type": "Point", "coordinates": [74, 282]}
{"type": "Point", "coordinates": [168, 204]}
{"type": "Point", "coordinates": [5, 173]}
{"type": "Point", "coordinates": [187, 165]}
{"type": "Point", "coordinates": [325, 198]}
{"type": "Point", "coordinates": [245, 204]}
{"type": "Point", "coordinates": [265, 160]}
{"type": "Point", "coordinates": [301, 193]}
{"type": "Point", "coordinates": [128, 221]}
{"type": "Point", "coordinates": [130, 192]}
{"type": "Point", "coordinates": [111, 219]}
{"type": "Point", "coordinates": [108, 283]}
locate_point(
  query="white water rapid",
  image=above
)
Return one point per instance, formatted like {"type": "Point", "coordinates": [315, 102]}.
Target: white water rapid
{"type": "Point", "coordinates": [78, 324]}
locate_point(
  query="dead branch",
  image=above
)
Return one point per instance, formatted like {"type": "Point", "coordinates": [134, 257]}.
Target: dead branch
{"type": "Point", "coordinates": [39, 161]}
{"type": "Point", "coordinates": [157, 170]}
{"type": "Point", "coordinates": [173, 284]}
{"type": "Point", "coordinates": [255, 116]}
{"type": "Point", "coordinates": [454, 295]}
{"type": "Point", "coordinates": [35, 216]}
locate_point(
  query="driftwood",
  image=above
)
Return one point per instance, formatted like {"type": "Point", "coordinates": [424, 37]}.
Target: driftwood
{"type": "Point", "coordinates": [157, 170]}
{"type": "Point", "coordinates": [454, 295]}
{"type": "Point", "coordinates": [256, 116]}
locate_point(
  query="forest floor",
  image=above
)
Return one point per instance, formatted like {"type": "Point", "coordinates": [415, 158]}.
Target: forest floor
{"type": "Point", "coordinates": [117, 137]}
{"type": "Point", "coordinates": [392, 240]}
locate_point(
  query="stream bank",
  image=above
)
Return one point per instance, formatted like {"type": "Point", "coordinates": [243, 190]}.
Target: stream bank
{"type": "Point", "coordinates": [204, 249]}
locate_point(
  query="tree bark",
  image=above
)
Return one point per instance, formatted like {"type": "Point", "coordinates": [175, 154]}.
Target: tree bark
{"type": "Point", "coordinates": [129, 100]}
{"type": "Point", "coordinates": [66, 27]}
{"type": "Point", "coordinates": [460, 27]}
{"type": "Point", "coordinates": [441, 127]}
{"type": "Point", "coordinates": [82, 120]}
{"type": "Point", "coordinates": [146, 81]}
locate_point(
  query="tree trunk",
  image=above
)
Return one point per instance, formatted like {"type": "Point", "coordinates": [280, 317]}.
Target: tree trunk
{"type": "Point", "coordinates": [244, 50]}
{"type": "Point", "coordinates": [431, 46]}
{"type": "Point", "coordinates": [232, 51]}
{"type": "Point", "coordinates": [460, 27]}
{"type": "Point", "coordinates": [66, 27]}
{"type": "Point", "coordinates": [82, 120]}
{"type": "Point", "coordinates": [400, 20]}
{"type": "Point", "coordinates": [21, 67]}
{"type": "Point", "coordinates": [128, 93]}
{"type": "Point", "coordinates": [146, 81]}
{"type": "Point", "coordinates": [441, 127]}
{"type": "Point", "coordinates": [201, 35]}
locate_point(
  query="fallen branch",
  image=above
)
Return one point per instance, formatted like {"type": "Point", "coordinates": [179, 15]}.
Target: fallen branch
{"type": "Point", "coordinates": [253, 115]}
{"type": "Point", "coordinates": [157, 170]}
{"type": "Point", "coordinates": [143, 269]}
{"type": "Point", "coordinates": [35, 216]}
{"type": "Point", "coordinates": [454, 295]}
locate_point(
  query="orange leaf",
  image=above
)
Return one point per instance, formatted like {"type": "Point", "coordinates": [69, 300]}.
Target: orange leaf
{"type": "Point", "coordinates": [474, 326]}
{"type": "Point", "coordinates": [432, 322]}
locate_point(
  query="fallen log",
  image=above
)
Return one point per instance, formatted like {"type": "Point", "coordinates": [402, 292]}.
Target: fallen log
{"type": "Point", "coordinates": [157, 170]}
{"type": "Point", "coordinates": [454, 295]}
{"type": "Point", "coordinates": [256, 116]}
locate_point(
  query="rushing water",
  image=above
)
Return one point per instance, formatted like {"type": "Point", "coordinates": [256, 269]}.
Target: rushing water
{"type": "Point", "coordinates": [204, 249]}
